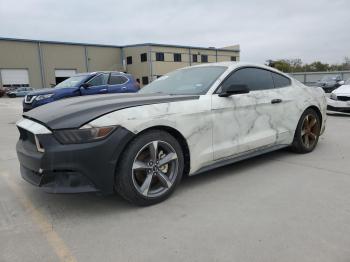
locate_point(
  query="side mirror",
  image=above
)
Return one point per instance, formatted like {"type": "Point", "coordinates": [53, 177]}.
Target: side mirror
{"type": "Point", "coordinates": [341, 82]}
{"type": "Point", "coordinates": [234, 90]}
{"type": "Point", "coordinates": [85, 85]}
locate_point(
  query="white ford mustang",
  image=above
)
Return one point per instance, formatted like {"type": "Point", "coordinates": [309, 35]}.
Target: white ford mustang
{"type": "Point", "coordinates": [186, 122]}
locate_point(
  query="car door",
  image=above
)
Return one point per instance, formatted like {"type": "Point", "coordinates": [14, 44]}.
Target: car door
{"type": "Point", "coordinates": [21, 91]}
{"type": "Point", "coordinates": [244, 122]}
{"type": "Point", "coordinates": [117, 83]}
{"type": "Point", "coordinates": [97, 85]}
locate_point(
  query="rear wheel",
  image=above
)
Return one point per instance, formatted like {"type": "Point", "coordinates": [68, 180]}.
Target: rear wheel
{"type": "Point", "coordinates": [307, 132]}
{"type": "Point", "coordinates": [150, 168]}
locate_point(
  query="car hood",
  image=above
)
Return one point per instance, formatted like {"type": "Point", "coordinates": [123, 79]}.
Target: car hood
{"type": "Point", "coordinates": [75, 112]}
{"type": "Point", "coordinates": [342, 90]}
{"type": "Point", "coordinates": [45, 91]}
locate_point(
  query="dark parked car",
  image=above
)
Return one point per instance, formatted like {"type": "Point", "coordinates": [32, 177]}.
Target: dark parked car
{"type": "Point", "coordinates": [80, 85]}
{"type": "Point", "coordinates": [2, 91]}
{"type": "Point", "coordinates": [330, 82]}
{"type": "Point", "coordinates": [19, 92]}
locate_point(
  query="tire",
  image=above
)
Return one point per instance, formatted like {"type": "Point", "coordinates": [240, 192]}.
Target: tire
{"type": "Point", "coordinates": [307, 132]}
{"type": "Point", "coordinates": [141, 165]}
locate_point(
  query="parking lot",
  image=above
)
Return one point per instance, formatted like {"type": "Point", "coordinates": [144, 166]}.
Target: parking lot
{"type": "Point", "coordinates": [277, 207]}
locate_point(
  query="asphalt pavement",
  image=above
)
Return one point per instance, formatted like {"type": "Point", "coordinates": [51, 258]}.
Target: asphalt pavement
{"type": "Point", "coordinates": [276, 207]}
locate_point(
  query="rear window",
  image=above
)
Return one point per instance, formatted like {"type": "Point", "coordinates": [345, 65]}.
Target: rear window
{"type": "Point", "coordinates": [280, 81]}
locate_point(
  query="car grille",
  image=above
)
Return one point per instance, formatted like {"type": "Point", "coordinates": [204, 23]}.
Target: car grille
{"type": "Point", "coordinates": [343, 98]}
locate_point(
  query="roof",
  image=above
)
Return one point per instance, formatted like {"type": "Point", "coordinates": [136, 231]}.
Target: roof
{"type": "Point", "coordinates": [235, 49]}
{"type": "Point", "coordinates": [233, 65]}
{"type": "Point", "coordinates": [117, 46]}
{"type": "Point", "coordinates": [54, 42]}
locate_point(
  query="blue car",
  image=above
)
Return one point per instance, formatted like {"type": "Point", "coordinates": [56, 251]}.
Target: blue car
{"type": "Point", "coordinates": [81, 85]}
{"type": "Point", "coordinates": [21, 91]}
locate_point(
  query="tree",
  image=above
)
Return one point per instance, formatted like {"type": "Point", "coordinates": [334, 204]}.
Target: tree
{"type": "Point", "coordinates": [296, 65]}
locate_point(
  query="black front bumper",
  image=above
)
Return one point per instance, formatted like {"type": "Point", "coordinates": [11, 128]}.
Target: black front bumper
{"type": "Point", "coordinates": [339, 109]}
{"type": "Point", "coordinates": [27, 107]}
{"type": "Point", "coordinates": [72, 168]}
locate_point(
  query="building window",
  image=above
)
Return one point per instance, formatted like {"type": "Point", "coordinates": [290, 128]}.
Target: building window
{"type": "Point", "coordinates": [233, 58]}
{"type": "Point", "coordinates": [145, 80]}
{"type": "Point", "coordinates": [177, 57]}
{"type": "Point", "coordinates": [195, 58]}
{"type": "Point", "coordinates": [159, 56]}
{"type": "Point", "coordinates": [144, 57]}
{"type": "Point", "coordinates": [129, 60]}
{"type": "Point", "coordinates": [204, 58]}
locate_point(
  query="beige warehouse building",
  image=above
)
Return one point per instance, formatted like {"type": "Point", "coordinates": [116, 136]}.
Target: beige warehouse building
{"type": "Point", "coordinates": [41, 64]}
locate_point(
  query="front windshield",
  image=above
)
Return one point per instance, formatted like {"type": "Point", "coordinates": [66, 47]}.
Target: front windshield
{"type": "Point", "coordinates": [192, 80]}
{"type": "Point", "coordinates": [73, 81]}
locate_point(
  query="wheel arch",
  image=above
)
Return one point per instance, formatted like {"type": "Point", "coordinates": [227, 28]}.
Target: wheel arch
{"type": "Point", "coordinates": [178, 136]}
{"type": "Point", "coordinates": [317, 110]}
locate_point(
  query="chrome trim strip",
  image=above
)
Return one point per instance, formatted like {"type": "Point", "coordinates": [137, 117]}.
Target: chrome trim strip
{"type": "Point", "coordinates": [33, 127]}
{"type": "Point", "coordinates": [29, 101]}
{"type": "Point", "coordinates": [38, 145]}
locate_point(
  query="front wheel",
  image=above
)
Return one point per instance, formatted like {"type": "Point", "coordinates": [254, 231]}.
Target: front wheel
{"type": "Point", "coordinates": [150, 168]}
{"type": "Point", "coordinates": [307, 132]}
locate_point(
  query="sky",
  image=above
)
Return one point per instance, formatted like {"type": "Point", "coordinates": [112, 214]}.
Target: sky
{"type": "Point", "coordinates": [265, 29]}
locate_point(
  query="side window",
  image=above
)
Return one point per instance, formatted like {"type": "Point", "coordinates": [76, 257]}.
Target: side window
{"type": "Point", "coordinates": [143, 57]}
{"type": "Point", "coordinates": [117, 80]}
{"type": "Point", "coordinates": [280, 80]}
{"type": "Point", "coordinates": [99, 80]}
{"type": "Point", "coordinates": [253, 78]}
{"type": "Point", "coordinates": [129, 60]}
{"type": "Point", "coordinates": [177, 57]}
{"type": "Point", "coordinates": [159, 56]}
{"type": "Point", "coordinates": [194, 58]}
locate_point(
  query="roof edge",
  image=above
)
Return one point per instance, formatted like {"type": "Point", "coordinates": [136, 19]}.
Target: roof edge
{"type": "Point", "coordinates": [234, 48]}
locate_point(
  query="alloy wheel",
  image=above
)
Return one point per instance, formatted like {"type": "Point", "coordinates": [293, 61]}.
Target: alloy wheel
{"type": "Point", "coordinates": [310, 131]}
{"type": "Point", "coordinates": [155, 168]}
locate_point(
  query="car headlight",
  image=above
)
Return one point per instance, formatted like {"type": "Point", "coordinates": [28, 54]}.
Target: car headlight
{"type": "Point", "coordinates": [85, 134]}
{"type": "Point", "coordinates": [334, 96]}
{"type": "Point", "coordinates": [41, 97]}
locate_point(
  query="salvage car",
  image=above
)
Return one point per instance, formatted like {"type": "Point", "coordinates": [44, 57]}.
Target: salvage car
{"type": "Point", "coordinates": [339, 101]}
{"type": "Point", "coordinates": [81, 85]}
{"type": "Point", "coordinates": [184, 123]}
{"type": "Point", "coordinates": [330, 82]}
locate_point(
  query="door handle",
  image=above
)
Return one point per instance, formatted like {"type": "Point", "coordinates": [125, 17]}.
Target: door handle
{"type": "Point", "coordinates": [276, 101]}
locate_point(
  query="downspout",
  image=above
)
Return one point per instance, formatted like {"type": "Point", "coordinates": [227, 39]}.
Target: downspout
{"type": "Point", "coordinates": [41, 64]}
{"type": "Point", "coordinates": [86, 59]}
{"type": "Point", "coordinates": [150, 64]}
{"type": "Point", "coordinates": [123, 66]}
